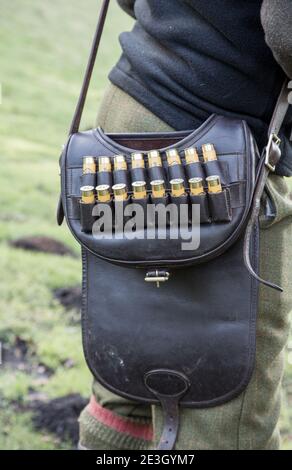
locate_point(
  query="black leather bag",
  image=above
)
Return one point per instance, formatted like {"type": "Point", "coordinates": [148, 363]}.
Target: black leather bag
{"type": "Point", "coordinates": [192, 341]}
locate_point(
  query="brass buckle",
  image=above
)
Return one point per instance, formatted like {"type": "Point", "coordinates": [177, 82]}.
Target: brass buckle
{"type": "Point", "coordinates": [272, 139]}
{"type": "Point", "coordinates": [157, 276]}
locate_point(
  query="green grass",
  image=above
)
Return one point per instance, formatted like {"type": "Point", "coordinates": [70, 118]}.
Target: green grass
{"type": "Point", "coordinates": [17, 433]}
{"type": "Point", "coordinates": [43, 49]}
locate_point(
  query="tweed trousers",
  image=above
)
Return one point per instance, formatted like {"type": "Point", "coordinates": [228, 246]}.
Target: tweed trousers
{"type": "Point", "coordinates": [248, 422]}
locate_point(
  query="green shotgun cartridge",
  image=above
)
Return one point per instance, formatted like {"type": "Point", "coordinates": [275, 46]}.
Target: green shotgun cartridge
{"type": "Point", "coordinates": [209, 152]}
{"type": "Point", "coordinates": [89, 165]}
{"type": "Point", "coordinates": [120, 192]}
{"type": "Point", "coordinates": [173, 157]}
{"type": "Point", "coordinates": [154, 159]}
{"type": "Point", "coordinates": [139, 190]}
{"type": "Point", "coordinates": [103, 193]}
{"type": "Point", "coordinates": [120, 162]}
{"type": "Point", "coordinates": [104, 164]}
{"type": "Point", "coordinates": [158, 188]}
{"type": "Point", "coordinates": [87, 194]}
{"type": "Point", "coordinates": [137, 159]}
{"type": "Point", "coordinates": [191, 155]}
{"type": "Point", "coordinates": [214, 184]}
{"type": "Point", "coordinates": [177, 187]}
{"type": "Point", "coordinates": [196, 186]}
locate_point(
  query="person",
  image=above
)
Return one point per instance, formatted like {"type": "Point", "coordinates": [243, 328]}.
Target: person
{"type": "Point", "coordinates": [183, 61]}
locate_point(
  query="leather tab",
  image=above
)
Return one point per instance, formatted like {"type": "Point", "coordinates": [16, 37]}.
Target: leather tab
{"type": "Point", "coordinates": [169, 387]}
{"type": "Point", "coordinates": [60, 211]}
{"type": "Point", "coordinates": [169, 434]}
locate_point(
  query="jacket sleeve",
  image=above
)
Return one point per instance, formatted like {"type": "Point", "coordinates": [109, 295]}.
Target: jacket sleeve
{"type": "Point", "coordinates": [276, 16]}
{"type": "Point", "coordinates": [127, 6]}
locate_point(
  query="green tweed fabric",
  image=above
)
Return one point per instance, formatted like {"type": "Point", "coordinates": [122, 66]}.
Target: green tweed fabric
{"type": "Point", "coordinates": [96, 436]}
{"type": "Point", "coordinates": [127, 409]}
{"type": "Point", "coordinates": [250, 421]}
{"type": "Point", "coordinates": [119, 112]}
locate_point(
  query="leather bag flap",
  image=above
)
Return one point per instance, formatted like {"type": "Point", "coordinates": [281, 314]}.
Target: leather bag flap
{"type": "Point", "coordinates": [237, 157]}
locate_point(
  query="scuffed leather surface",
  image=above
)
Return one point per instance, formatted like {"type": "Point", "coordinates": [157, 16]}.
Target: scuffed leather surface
{"type": "Point", "coordinates": [200, 323]}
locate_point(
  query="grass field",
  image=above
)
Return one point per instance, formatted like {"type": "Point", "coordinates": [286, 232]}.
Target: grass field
{"type": "Point", "coordinates": [43, 52]}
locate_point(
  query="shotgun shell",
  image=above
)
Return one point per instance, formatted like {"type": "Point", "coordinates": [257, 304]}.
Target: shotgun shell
{"type": "Point", "coordinates": [191, 155]}
{"type": "Point", "coordinates": [173, 157]}
{"type": "Point", "coordinates": [104, 164]}
{"type": "Point", "coordinates": [103, 193]}
{"type": "Point", "coordinates": [89, 165]}
{"type": "Point", "coordinates": [139, 190]}
{"type": "Point", "coordinates": [154, 159]}
{"type": "Point", "coordinates": [158, 188]}
{"type": "Point", "coordinates": [196, 186]}
{"type": "Point", "coordinates": [120, 162]}
{"type": "Point", "coordinates": [137, 160]}
{"type": "Point", "coordinates": [120, 192]}
{"type": "Point", "coordinates": [87, 194]}
{"type": "Point", "coordinates": [214, 184]}
{"type": "Point", "coordinates": [209, 152]}
{"type": "Point", "coordinates": [177, 187]}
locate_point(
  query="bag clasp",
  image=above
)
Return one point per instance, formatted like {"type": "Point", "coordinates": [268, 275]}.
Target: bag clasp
{"type": "Point", "coordinates": [157, 276]}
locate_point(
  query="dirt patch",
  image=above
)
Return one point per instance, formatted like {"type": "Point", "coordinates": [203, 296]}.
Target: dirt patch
{"type": "Point", "coordinates": [15, 356]}
{"type": "Point", "coordinates": [19, 356]}
{"type": "Point", "coordinates": [59, 416]}
{"type": "Point", "coordinates": [44, 245]}
{"type": "Point", "coordinates": [69, 297]}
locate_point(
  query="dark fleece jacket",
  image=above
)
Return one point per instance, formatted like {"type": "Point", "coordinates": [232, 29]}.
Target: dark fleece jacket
{"type": "Point", "coordinates": [276, 16]}
{"type": "Point", "coordinates": [187, 59]}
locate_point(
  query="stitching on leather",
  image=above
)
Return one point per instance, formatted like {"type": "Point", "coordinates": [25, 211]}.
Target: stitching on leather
{"type": "Point", "coordinates": [206, 126]}
{"type": "Point", "coordinates": [84, 303]}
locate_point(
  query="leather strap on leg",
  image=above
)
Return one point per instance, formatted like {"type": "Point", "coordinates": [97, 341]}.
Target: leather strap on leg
{"type": "Point", "coordinates": [169, 387]}
{"type": "Point", "coordinates": [170, 408]}
{"type": "Point", "coordinates": [271, 156]}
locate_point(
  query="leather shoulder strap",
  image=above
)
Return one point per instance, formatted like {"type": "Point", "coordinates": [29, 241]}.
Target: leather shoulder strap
{"type": "Point", "coordinates": [277, 118]}
{"type": "Point", "coordinates": [90, 66]}
{"type": "Point", "coordinates": [281, 109]}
